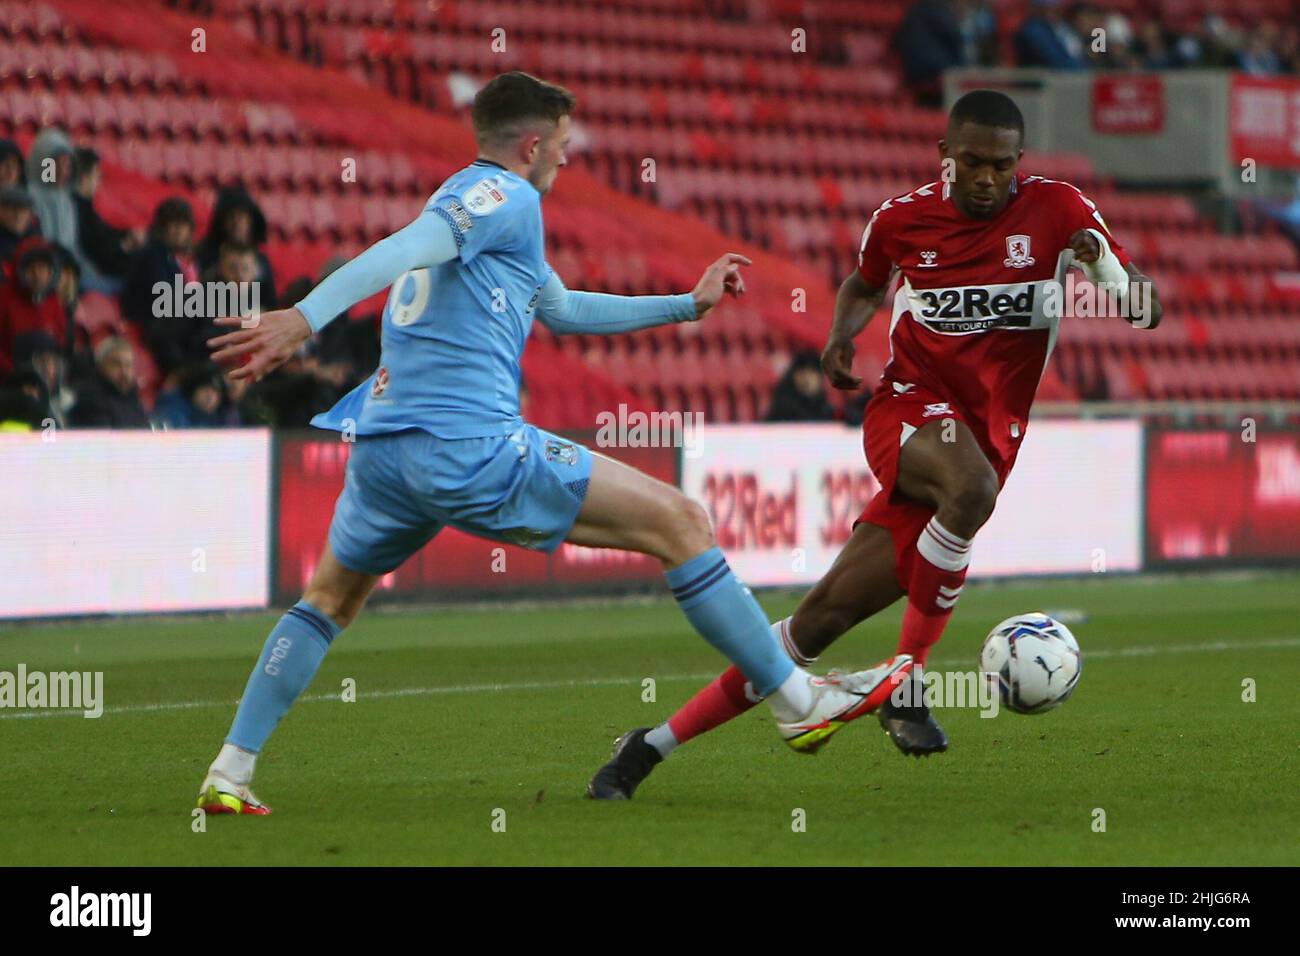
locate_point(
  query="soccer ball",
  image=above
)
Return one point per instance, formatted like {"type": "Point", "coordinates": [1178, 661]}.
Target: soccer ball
{"type": "Point", "coordinates": [1033, 662]}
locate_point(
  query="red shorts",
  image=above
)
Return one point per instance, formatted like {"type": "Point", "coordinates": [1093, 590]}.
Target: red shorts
{"type": "Point", "coordinates": [891, 417]}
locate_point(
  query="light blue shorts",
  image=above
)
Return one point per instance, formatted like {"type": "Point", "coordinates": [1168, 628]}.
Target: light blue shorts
{"type": "Point", "coordinates": [402, 488]}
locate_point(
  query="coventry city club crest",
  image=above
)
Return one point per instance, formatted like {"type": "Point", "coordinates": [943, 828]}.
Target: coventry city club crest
{"type": "Point", "coordinates": [561, 451]}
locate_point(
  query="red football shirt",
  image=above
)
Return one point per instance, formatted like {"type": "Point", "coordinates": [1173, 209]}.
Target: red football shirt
{"type": "Point", "coordinates": [975, 315]}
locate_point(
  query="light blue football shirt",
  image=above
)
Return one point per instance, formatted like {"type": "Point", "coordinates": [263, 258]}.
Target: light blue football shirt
{"type": "Point", "coordinates": [453, 335]}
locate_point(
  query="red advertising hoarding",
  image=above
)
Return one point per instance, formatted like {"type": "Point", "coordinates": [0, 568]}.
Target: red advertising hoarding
{"type": "Point", "coordinates": [310, 477]}
{"type": "Point", "coordinates": [1213, 495]}
{"type": "Point", "coordinates": [1128, 105]}
{"type": "Point", "coordinates": [1264, 120]}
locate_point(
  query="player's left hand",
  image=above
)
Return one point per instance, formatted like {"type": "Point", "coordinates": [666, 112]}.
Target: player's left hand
{"type": "Point", "coordinates": [723, 277]}
{"type": "Point", "coordinates": [1085, 246]}
{"type": "Point", "coordinates": [269, 340]}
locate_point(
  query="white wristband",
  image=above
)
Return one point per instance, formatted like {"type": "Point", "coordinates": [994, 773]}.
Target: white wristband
{"type": "Point", "coordinates": [1107, 268]}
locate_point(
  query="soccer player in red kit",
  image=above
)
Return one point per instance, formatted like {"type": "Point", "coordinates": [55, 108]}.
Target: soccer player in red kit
{"type": "Point", "coordinates": [983, 255]}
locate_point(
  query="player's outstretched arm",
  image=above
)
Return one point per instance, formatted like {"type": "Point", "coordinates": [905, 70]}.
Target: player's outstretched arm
{"type": "Point", "coordinates": [1101, 266]}
{"type": "Point", "coordinates": [269, 340]}
{"type": "Point", "coordinates": [566, 312]}
{"type": "Point", "coordinates": [855, 304]}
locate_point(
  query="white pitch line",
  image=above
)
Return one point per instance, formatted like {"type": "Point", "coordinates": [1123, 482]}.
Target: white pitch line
{"type": "Point", "coordinates": [1148, 650]}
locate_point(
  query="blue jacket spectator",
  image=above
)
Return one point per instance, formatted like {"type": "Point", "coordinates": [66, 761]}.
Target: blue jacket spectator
{"type": "Point", "coordinates": [198, 401]}
{"type": "Point", "coordinates": [1046, 40]}
{"type": "Point", "coordinates": [929, 41]}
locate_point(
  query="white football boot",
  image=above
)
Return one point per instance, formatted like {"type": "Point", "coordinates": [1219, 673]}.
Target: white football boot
{"type": "Point", "coordinates": [839, 698]}
{"type": "Point", "coordinates": [219, 794]}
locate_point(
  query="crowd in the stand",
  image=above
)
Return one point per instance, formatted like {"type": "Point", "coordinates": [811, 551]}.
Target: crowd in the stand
{"type": "Point", "coordinates": [936, 35]}
{"type": "Point", "coordinates": [60, 367]}
{"type": "Point", "coordinates": [59, 370]}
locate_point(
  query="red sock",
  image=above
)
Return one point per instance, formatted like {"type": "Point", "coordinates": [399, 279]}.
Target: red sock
{"type": "Point", "coordinates": [937, 577]}
{"type": "Point", "coordinates": [713, 706]}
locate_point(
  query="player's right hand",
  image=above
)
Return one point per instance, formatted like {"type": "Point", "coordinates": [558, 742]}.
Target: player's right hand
{"type": "Point", "coordinates": [268, 340]}
{"type": "Point", "coordinates": [837, 364]}
{"type": "Point", "coordinates": [721, 278]}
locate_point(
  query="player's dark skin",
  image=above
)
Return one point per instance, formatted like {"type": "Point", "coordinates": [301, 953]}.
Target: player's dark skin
{"type": "Point", "coordinates": [941, 465]}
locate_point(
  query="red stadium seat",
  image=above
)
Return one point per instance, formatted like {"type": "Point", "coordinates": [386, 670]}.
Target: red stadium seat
{"type": "Point", "coordinates": [746, 139]}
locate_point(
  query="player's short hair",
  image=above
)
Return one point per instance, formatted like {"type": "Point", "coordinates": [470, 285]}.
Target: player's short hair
{"type": "Point", "coordinates": [987, 108]}
{"type": "Point", "coordinates": [510, 101]}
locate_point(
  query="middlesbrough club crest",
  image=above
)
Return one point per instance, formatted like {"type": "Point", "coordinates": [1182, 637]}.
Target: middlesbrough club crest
{"type": "Point", "coordinates": [1018, 256]}
{"type": "Point", "coordinates": [381, 383]}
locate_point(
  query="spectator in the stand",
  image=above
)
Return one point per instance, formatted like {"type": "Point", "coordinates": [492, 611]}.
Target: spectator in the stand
{"type": "Point", "coordinates": [182, 339]}
{"type": "Point", "coordinates": [979, 31]}
{"type": "Point", "coordinates": [112, 398]}
{"type": "Point", "coordinates": [236, 216]}
{"type": "Point", "coordinates": [1258, 54]}
{"type": "Point", "coordinates": [929, 40]}
{"type": "Point", "coordinates": [236, 262]}
{"type": "Point", "coordinates": [68, 289]}
{"type": "Point", "coordinates": [37, 357]}
{"type": "Point", "coordinates": [800, 395]}
{"type": "Point", "coordinates": [1288, 48]}
{"type": "Point", "coordinates": [327, 367]}
{"type": "Point", "coordinates": [1214, 46]}
{"type": "Point", "coordinates": [166, 256]}
{"type": "Point", "coordinates": [1046, 40]}
{"type": "Point", "coordinates": [1121, 44]}
{"type": "Point", "coordinates": [105, 251]}
{"type": "Point", "coordinates": [855, 408]}
{"type": "Point", "coordinates": [11, 164]}
{"type": "Point", "coordinates": [1154, 49]}
{"type": "Point", "coordinates": [347, 350]}
{"type": "Point", "coordinates": [298, 289]}
{"type": "Point", "coordinates": [17, 220]}
{"type": "Point", "coordinates": [24, 403]}
{"type": "Point", "coordinates": [1088, 23]}
{"type": "Point", "coordinates": [49, 181]}
{"type": "Point", "coordinates": [197, 401]}
{"type": "Point", "coordinates": [289, 396]}
{"type": "Point", "coordinates": [29, 301]}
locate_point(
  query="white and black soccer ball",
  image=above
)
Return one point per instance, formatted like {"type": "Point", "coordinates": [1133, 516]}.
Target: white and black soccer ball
{"type": "Point", "coordinates": [1033, 662]}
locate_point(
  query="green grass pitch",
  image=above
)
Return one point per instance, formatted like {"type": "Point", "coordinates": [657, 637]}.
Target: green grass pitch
{"type": "Point", "coordinates": [461, 713]}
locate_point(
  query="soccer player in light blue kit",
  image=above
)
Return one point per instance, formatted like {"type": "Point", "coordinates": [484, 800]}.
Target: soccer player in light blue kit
{"type": "Point", "coordinates": [439, 440]}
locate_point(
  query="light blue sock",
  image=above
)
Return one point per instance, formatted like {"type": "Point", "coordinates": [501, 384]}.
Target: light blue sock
{"type": "Point", "coordinates": [288, 663]}
{"type": "Point", "coordinates": [725, 613]}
